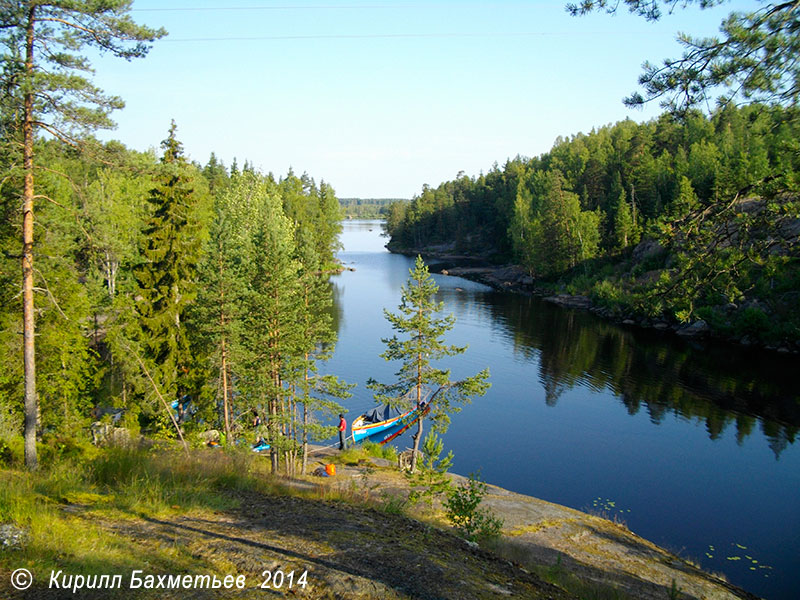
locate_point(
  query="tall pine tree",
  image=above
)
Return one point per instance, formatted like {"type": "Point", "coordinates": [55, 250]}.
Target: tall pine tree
{"type": "Point", "coordinates": [43, 76]}
{"type": "Point", "coordinates": [423, 343]}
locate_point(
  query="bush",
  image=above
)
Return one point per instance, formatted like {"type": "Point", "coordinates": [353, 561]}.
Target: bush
{"type": "Point", "coordinates": [380, 451]}
{"type": "Point", "coordinates": [12, 451]}
{"type": "Point", "coordinates": [753, 322]}
{"type": "Point", "coordinates": [57, 447]}
{"type": "Point", "coordinates": [462, 508]}
{"type": "Point", "coordinates": [606, 294]}
{"type": "Point", "coordinates": [430, 479]}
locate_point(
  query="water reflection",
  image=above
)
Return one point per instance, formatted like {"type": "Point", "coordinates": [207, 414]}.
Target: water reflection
{"type": "Point", "coordinates": [717, 384]}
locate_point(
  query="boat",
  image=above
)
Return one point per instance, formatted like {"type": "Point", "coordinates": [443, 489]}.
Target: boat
{"type": "Point", "coordinates": [379, 426]}
{"type": "Point", "coordinates": [260, 446]}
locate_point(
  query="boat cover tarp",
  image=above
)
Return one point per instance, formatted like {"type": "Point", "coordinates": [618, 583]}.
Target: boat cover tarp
{"type": "Point", "coordinates": [381, 413]}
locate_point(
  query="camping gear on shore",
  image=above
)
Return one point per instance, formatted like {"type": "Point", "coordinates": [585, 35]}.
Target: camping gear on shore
{"type": "Point", "coordinates": [383, 424]}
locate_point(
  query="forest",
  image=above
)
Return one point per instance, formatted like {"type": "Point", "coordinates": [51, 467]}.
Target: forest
{"type": "Point", "coordinates": [149, 270]}
{"type": "Point", "coordinates": [685, 217]}
{"type": "Point", "coordinates": [367, 208]}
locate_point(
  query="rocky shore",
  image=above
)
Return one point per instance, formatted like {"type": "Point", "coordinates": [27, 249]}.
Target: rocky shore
{"type": "Point", "coordinates": [350, 536]}
{"type": "Point", "coordinates": [513, 278]}
{"type": "Point", "coordinates": [586, 547]}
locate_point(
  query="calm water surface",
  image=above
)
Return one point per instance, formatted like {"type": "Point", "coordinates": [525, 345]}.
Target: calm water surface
{"type": "Point", "coordinates": [693, 447]}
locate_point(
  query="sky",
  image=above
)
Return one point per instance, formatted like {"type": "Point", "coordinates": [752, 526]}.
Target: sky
{"type": "Point", "coordinates": [378, 98]}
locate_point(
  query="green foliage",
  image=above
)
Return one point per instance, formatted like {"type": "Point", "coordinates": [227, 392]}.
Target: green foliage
{"type": "Point", "coordinates": [754, 322]}
{"type": "Point", "coordinates": [607, 294]}
{"type": "Point", "coordinates": [430, 480]}
{"type": "Point", "coordinates": [751, 61]}
{"type": "Point", "coordinates": [60, 447]}
{"type": "Point", "coordinates": [463, 509]}
{"type": "Point", "coordinates": [66, 103]}
{"type": "Point", "coordinates": [367, 208]}
{"type": "Point", "coordinates": [385, 451]}
{"type": "Point", "coordinates": [11, 451]}
{"type": "Point", "coordinates": [172, 244]}
{"type": "Point", "coordinates": [716, 198]}
{"type": "Point", "coordinates": [423, 343]}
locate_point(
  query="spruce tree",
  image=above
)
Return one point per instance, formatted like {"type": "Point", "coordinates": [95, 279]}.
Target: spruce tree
{"type": "Point", "coordinates": [172, 246]}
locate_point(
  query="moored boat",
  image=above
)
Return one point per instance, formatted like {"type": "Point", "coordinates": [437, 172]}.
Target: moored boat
{"type": "Point", "coordinates": [380, 426]}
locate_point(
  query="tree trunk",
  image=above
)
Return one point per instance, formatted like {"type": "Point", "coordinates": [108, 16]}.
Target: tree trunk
{"type": "Point", "coordinates": [272, 424]}
{"type": "Point", "coordinates": [273, 429]}
{"type": "Point", "coordinates": [28, 322]}
{"type": "Point", "coordinates": [415, 451]}
{"type": "Point", "coordinates": [225, 407]}
{"type": "Point", "coordinates": [224, 367]}
{"type": "Point", "coordinates": [305, 439]}
{"type": "Point", "coordinates": [418, 435]}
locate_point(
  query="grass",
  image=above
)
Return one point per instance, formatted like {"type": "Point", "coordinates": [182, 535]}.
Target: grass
{"type": "Point", "coordinates": [63, 507]}
{"type": "Point", "coordinates": [354, 454]}
{"type": "Point", "coordinates": [72, 509]}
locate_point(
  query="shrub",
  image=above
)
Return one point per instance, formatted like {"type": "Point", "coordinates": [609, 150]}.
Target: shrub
{"type": "Point", "coordinates": [606, 294]}
{"type": "Point", "coordinates": [386, 451]}
{"type": "Point", "coordinates": [463, 509]}
{"type": "Point", "coordinates": [430, 479]}
{"type": "Point", "coordinates": [754, 322]}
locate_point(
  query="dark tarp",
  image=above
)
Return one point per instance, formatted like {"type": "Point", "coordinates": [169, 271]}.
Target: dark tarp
{"type": "Point", "coordinates": [381, 413]}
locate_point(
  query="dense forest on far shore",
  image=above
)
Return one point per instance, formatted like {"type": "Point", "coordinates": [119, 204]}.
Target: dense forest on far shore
{"type": "Point", "coordinates": [682, 218]}
{"type": "Point", "coordinates": [367, 208]}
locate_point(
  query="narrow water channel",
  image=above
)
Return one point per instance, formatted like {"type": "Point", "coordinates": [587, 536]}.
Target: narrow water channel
{"type": "Point", "coordinates": [691, 446]}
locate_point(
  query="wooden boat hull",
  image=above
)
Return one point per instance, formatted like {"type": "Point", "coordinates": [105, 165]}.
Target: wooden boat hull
{"type": "Point", "coordinates": [385, 431]}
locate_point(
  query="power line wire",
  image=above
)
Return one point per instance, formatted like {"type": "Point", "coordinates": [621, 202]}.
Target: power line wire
{"type": "Point", "coordinates": [282, 7]}
{"type": "Point", "coordinates": [367, 36]}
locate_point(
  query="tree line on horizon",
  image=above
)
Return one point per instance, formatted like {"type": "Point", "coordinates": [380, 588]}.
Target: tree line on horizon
{"type": "Point", "coordinates": [367, 208]}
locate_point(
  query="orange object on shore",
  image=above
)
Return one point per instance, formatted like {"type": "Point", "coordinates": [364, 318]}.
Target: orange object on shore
{"type": "Point", "coordinates": [330, 470]}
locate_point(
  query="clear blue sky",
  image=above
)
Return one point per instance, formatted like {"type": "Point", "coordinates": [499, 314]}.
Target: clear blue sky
{"type": "Point", "coordinates": [378, 98]}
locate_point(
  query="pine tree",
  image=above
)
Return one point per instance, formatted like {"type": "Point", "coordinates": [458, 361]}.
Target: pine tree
{"type": "Point", "coordinates": [753, 60]}
{"type": "Point", "coordinates": [318, 394]}
{"type": "Point", "coordinates": [218, 316]}
{"type": "Point", "coordinates": [42, 75]}
{"type": "Point", "coordinates": [431, 479]}
{"type": "Point", "coordinates": [272, 306]}
{"type": "Point", "coordinates": [424, 344]}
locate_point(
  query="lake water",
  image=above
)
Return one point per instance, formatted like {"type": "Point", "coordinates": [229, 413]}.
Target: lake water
{"type": "Point", "coordinates": [692, 446]}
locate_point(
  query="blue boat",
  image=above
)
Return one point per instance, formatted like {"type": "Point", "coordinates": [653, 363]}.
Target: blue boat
{"type": "Point", "coordinates": [261, 446]}
{"type": "Point", "coordinates": [380, 426]}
